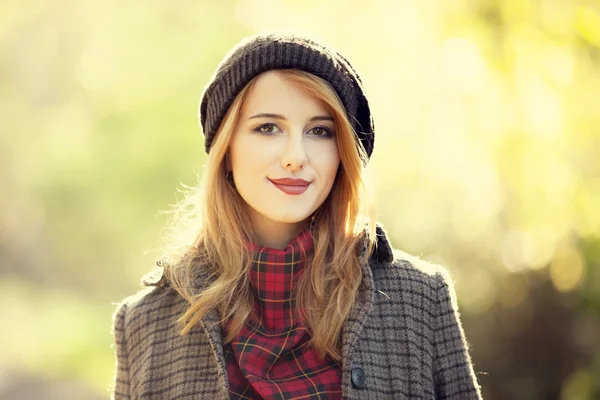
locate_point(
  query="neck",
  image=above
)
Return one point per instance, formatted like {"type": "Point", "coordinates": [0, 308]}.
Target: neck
{"type": "Point", "coordinates": [275, 234]}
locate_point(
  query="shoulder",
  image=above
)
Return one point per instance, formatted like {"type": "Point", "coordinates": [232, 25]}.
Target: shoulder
{"type": "Point", "coordinates": [411, 272]}
{"type": "Point", "coordinates": [412, 266]}
{"type": "Point", "coordinates": [408, 276]}
{"type": "Point", "coordinates": [394, 269]}
{"type": "Point", "coordinates": [147, 310]}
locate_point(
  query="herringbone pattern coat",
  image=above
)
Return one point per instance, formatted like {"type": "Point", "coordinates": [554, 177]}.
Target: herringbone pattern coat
{"type": "Point", "coordinates": [404, 332]}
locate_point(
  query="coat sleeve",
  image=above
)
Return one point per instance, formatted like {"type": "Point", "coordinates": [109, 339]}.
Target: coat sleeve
{"type": "Point", "coordinates": [454, 376]}
{"type": "Point", "coordinates": [121, 380]}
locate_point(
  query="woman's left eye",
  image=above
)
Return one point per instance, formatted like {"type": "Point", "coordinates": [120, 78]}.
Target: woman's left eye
{"type": "Point", "coordinates": [321, 131]}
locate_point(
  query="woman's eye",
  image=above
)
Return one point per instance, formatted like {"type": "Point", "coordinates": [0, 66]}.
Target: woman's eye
{"type": "Point", "coordinates": [266, 129]}
{"type": "Point", "coordinates": [321, 131]}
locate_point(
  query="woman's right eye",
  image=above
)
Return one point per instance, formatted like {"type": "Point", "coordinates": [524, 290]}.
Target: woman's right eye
{"type": "Point", "coordinates": [267, 129]}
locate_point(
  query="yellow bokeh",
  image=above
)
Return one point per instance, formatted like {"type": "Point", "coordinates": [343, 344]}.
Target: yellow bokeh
{"type": "Point", "coordinates": [567, 269]}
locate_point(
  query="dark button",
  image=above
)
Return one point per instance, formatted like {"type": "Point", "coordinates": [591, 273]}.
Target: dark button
{"type": "Point", "coordinates": [359, 380]}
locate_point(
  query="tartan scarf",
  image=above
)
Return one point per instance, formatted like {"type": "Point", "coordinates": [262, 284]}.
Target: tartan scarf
{"type": "Point", "coordinates": [270, 357]}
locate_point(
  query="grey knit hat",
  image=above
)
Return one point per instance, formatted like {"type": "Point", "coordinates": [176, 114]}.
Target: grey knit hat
{"type": "Point", "coordinates": [260, 53]}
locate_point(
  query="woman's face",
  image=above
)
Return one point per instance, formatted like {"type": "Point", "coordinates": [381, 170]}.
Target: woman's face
{"type": "Point", "coordinates": [283, 154]}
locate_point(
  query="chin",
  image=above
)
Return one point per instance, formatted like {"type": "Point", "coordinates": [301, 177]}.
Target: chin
{"type": "Point", "coordinates": [290, 218]}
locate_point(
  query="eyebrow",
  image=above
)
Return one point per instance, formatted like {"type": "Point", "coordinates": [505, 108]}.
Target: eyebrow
{"type": "Point", "coordinates": [279, 116]}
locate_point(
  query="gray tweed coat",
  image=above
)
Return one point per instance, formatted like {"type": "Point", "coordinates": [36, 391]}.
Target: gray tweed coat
{"type": "Point", "coordinates": [402, 340]}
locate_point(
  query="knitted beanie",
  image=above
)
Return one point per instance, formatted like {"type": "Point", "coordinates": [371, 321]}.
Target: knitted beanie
{"type": "Point", "coordinates": [260, 53]}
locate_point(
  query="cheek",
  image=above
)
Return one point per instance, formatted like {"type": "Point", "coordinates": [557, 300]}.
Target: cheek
{"type": "Point", "coordinates": [326, 160]}
{"type": "Point", "coordinates": [245, 152]}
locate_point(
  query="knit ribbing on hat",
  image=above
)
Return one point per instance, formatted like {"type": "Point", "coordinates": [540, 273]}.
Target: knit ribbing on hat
{"type": "Point", "coordinates": [257, 54]}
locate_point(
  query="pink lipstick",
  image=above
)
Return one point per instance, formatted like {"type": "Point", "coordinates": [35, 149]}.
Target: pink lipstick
{"type": "Point", "coordinates": [290, 185]}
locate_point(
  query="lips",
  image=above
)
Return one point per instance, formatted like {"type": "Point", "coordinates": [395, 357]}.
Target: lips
{"type": "Point", "coordinates": [290, 181]}
{"type": "Point", "coordinates": [290, 185]}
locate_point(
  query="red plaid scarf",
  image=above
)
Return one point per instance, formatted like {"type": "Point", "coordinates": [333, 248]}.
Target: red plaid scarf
{"type": "Point", "coordinates": [269, 358]}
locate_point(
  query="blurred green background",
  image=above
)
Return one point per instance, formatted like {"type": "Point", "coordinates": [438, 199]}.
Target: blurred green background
{"type": "Point", "coordinates": [487, 160]}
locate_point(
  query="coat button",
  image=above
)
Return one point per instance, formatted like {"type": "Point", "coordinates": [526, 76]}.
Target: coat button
{"type": "Point", "coordinates": [358, 377]}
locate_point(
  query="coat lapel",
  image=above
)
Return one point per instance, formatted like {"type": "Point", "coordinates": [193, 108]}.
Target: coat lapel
{"type": "Point", "coordinates": [210, 324]}
{"type": "Point", "coordinates": [362, 307]}
{"type": "Point", "coordinates": [194, 354]}
{"type": "Point", "coordinates": [354, 325]}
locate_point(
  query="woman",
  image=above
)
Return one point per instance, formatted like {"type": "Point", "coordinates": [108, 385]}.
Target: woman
{"type": "Point", "coordinates": [287, 288]}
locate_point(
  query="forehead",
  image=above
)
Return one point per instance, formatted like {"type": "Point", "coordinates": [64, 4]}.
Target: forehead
{"type": "Point", "coordinates": [272, 92]}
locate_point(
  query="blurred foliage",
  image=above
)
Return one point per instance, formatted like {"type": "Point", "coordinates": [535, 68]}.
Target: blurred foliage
{"type": "Point", "coordinates": [487, 161]}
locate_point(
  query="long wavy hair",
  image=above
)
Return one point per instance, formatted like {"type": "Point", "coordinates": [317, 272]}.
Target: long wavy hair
{"type": "Point", "coordinates": [213, 220]}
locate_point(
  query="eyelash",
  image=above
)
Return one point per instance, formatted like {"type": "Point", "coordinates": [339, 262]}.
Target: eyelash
{"type": "Point", "coordinates": [328, 132]}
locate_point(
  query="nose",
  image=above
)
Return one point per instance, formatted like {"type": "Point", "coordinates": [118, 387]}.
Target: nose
{"type": "Point", "coordinates": [294, 156]}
